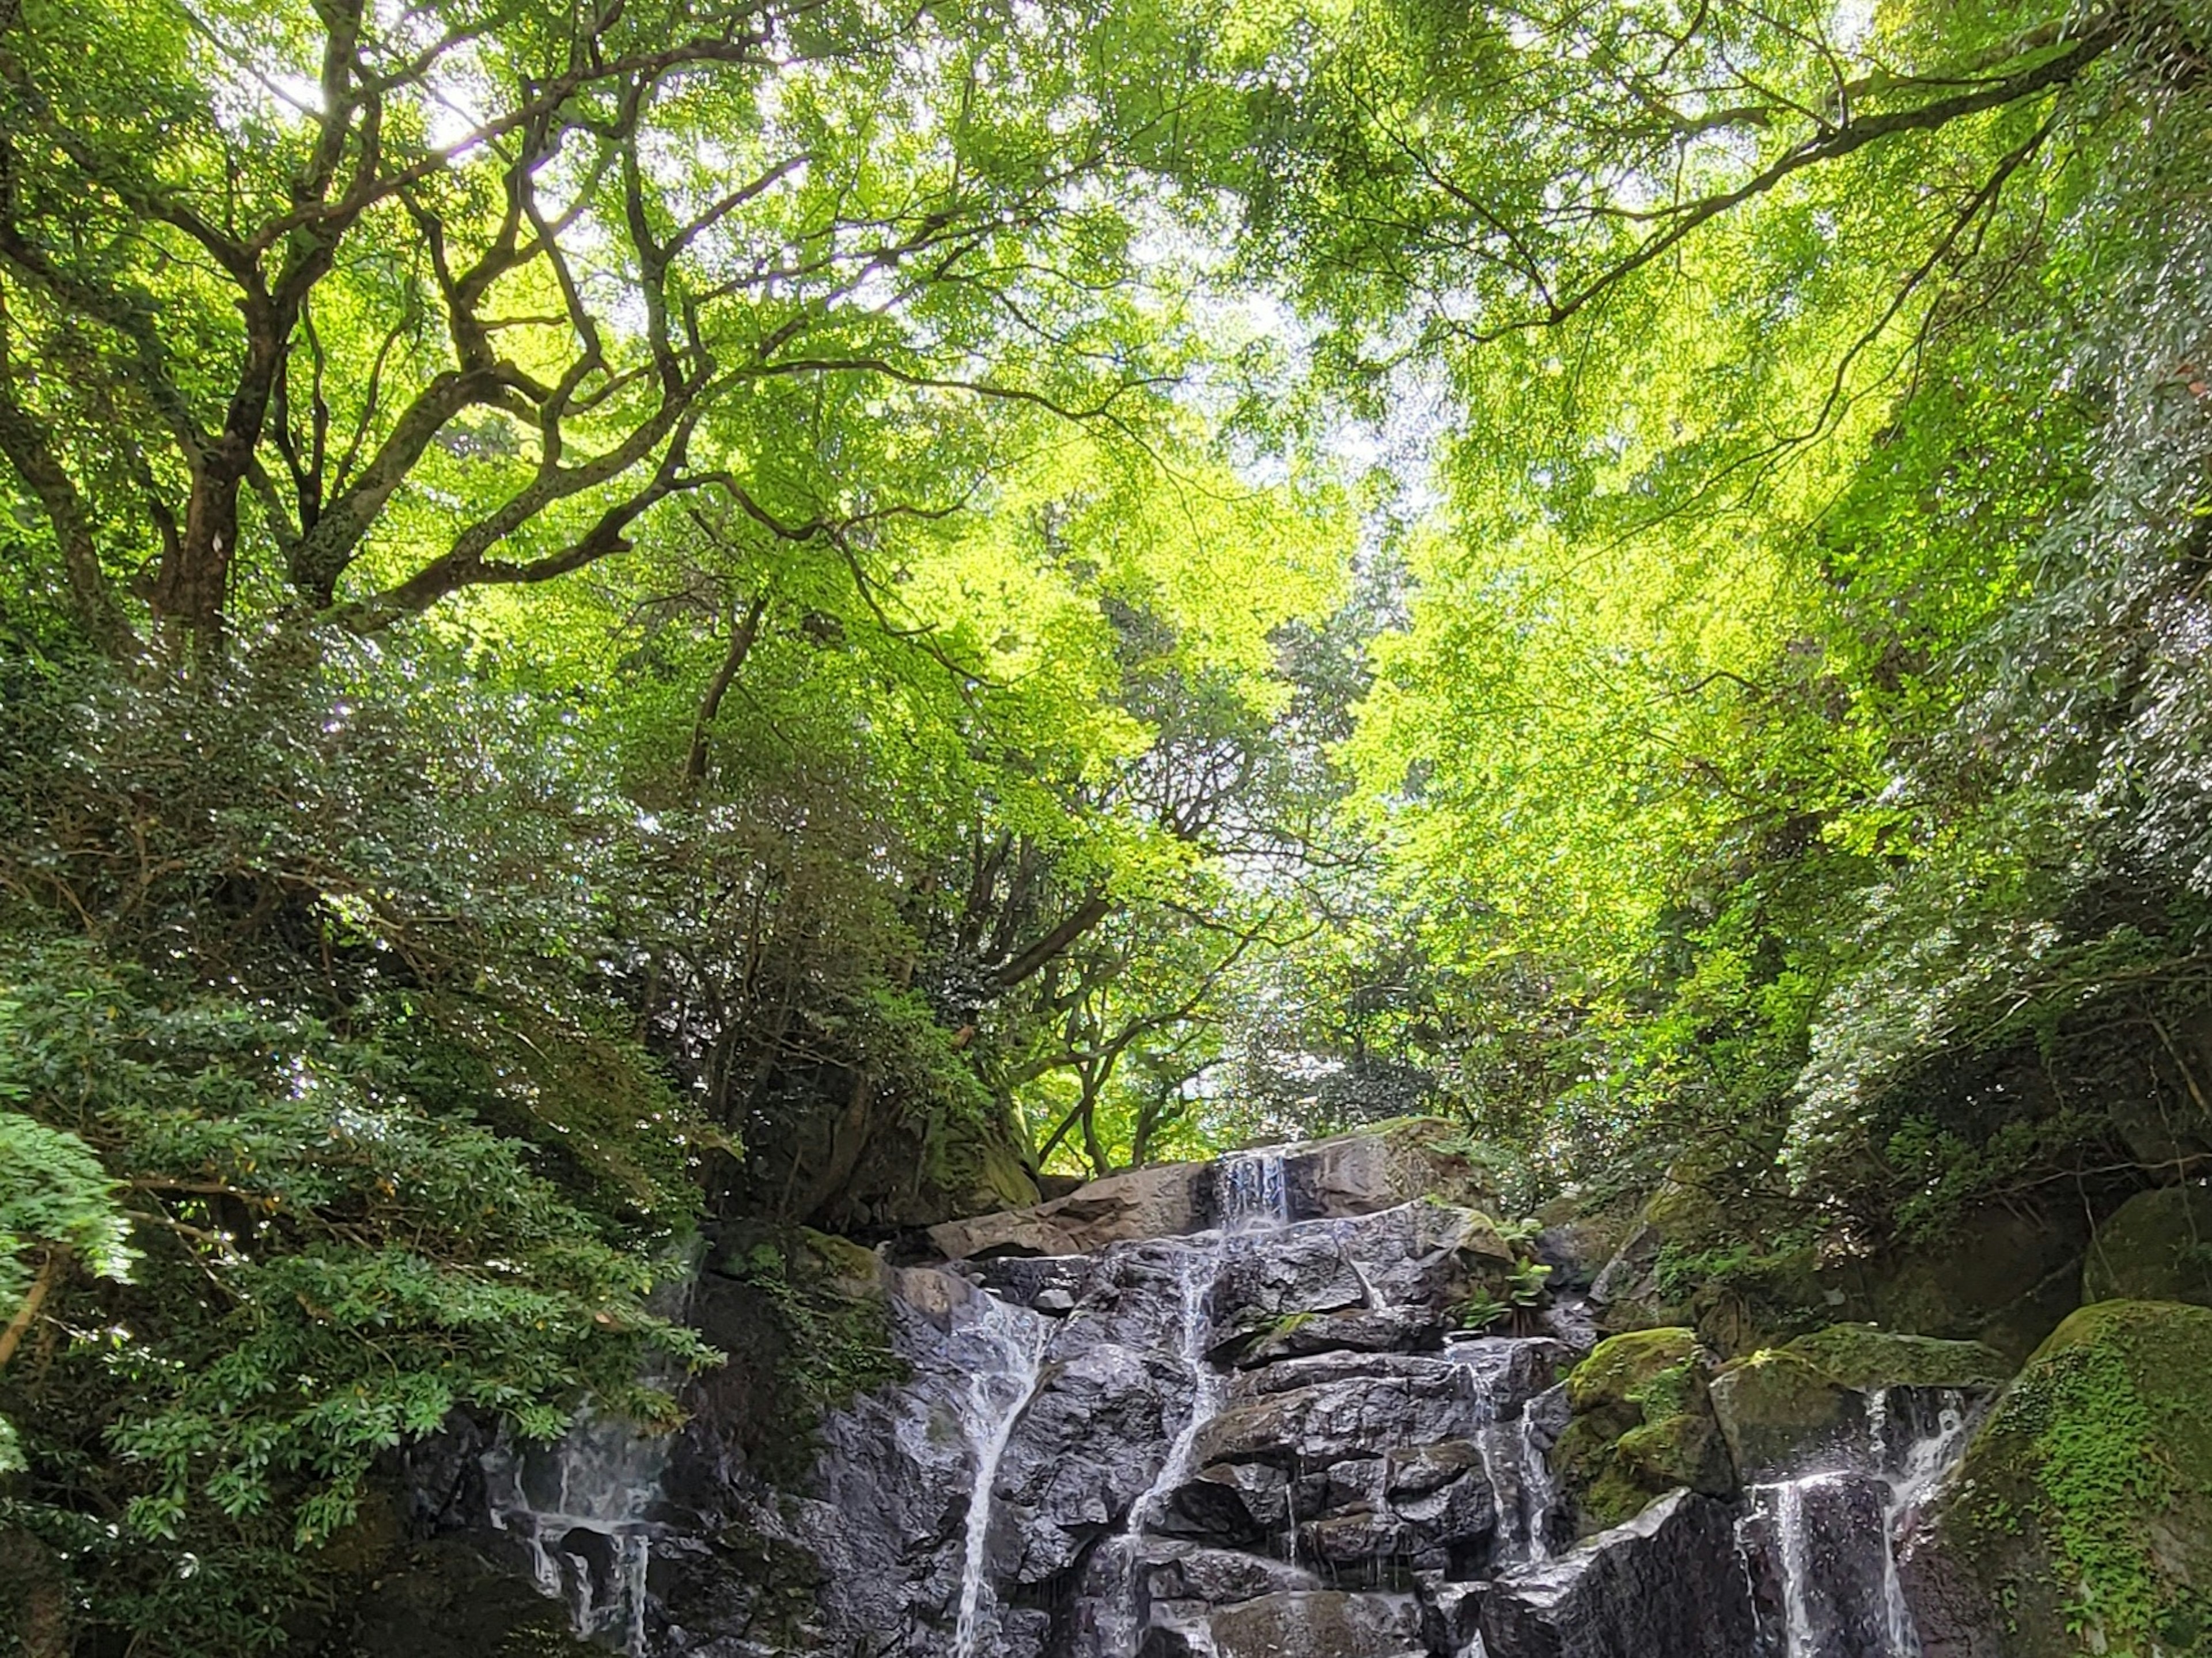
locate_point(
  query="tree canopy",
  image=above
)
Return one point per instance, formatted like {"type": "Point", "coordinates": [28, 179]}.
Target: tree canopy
{"type": "Point", "coordinates": [647, 616]}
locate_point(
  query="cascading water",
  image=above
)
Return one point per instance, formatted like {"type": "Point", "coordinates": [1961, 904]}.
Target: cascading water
{"type": "Point", "coordinates": [1013, 1341]}
{"type": "Point", "coordinates": [581, 1507]}
{"type": "Point", "coordinates": [1253, 1200]}
{"type": "Point", "coordinates": [1515, 1460]}
{"type": "Point", "coordinates": [1823, 1546]}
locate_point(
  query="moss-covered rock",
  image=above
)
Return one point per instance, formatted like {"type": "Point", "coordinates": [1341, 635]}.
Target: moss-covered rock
{"type": "Point", "coordinates": [1782, 1408]}
{"type": "Point", "coordinates": [1643, 1423]}
{"type": "Point", "coordinates": [1695, 1257]}
{"type": "Point", "coordinates": [2081, 1519]}
{"type": "Point", "coordinates": [2001, 1276]}
{"type": "Point", "coordinates": [2156, 1247]}
{"type": "Point", "coordinates": [1865, 1356]}
{"type": "Point", "coordinates": [446, 1600]}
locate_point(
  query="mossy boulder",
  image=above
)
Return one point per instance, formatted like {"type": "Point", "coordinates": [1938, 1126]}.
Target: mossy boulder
{"type": "Point", "coordinates": [2080, 1521]}
{"type": "Point", "coordinates": [446, 1600]}
{"type": "Point", "coordinates": [1642, 1424]}
{"type": "Point", "coordinates": [2156, 1247]}
{"type": "Point", "coordinates": [1866, 1356]}
{"type": "Point", "coordinates": [2001, 1276]}
{"type": "Point", "coordinates": [1783, 1409]}
{"type": "Point", "coordinates": [1695, 1256]}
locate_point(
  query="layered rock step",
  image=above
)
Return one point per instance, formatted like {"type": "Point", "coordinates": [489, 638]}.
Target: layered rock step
{"type": "Point", "coordinates": [1277, 1437]}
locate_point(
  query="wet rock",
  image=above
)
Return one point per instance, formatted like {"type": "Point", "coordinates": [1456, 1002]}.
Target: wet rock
{"type": "Point", "coordinates": [1136, 1297]}
{"type": "Point", "coordinates": [1340, 1419]}
{"type": "Point", "coordinates": [1217, 1576]}
{"type": "Point", "coordinates": [1237, 1505]}
{"type": "Point", "coordinates": [1816, 1553]}
{"type": "Point", "coordinates": [1507, 1372]}
{"type": "Point", "coordinates": [1386, 1330]}
{"type": "Point", "coordinates": [1664, 1585]}
{"type": "Point", "coordinates": [2157, 1246]}
{"type": "Point", "coordinates": [1319, 1623]}
{"type": "Point", "coordinates": [1301, 1273]}
{"type": "Point", "coordinates": [1427, 1255]}
{"type": "Point", "coordinates": [1091, 1441]}
{"type": "Point", "coordinates": [2080, 1517]}
{"type": "Point", "coordinates": [1316, 1369]}
{"type": "Point", "coordinates": [1051, 1284]}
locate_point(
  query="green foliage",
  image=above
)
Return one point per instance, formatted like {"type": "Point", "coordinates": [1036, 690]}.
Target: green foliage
{"type": "Point", "coordinates": [350, 1082]}
{"type": "Point", "coordinates": [830, 1335]}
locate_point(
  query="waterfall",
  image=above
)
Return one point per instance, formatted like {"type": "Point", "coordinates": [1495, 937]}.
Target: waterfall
{"type": "Point", "coordinates": [1013, 1338]}
{"type": "Point", "coordinates": [580, 1507]}
{"type": "Point", "coordinates": [1827, 1540]}
{"type": "Point", "coordinates": [1254, 1196]}
{"type": "Point", "coordinates": [1253, 1199]}
{"type": "Point", "coordinates": [1519, 1468]}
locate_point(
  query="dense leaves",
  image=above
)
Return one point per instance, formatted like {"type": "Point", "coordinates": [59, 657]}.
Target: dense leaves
{"type": "Point", "coordinates": [803, 613]}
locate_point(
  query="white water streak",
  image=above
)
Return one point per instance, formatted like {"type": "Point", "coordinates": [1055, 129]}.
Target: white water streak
{"type": "Point", "coordinates": [1017, 1338]}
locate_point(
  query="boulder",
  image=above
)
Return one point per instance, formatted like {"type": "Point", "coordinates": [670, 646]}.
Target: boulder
{"type": "Point", "coordinates": [1220, 1577]}
{"type": "Point", "coordinates": [1319, 1623]}
{"type": "Point", "coordinates": [1816, 1553]}
{"type": "Point", "coordinates": [1824, 1399]}
{"type": "Point", "coordinates": [1507, 1372]}
{"type": "Point", "coordinates": [2157, 1246]}
{"type": "Point", "coordinates": [1302, 1335]}
{"type": "Point", "coordinates": [1050, 1283]}
{"type": "Point", "coordinates": [1355, 1173]}
{"type": "Point", "coordinates": [1311, 1427]}
{"type": "Point", "coordinates": [1389, 1281]}
{"type": "Point", "coordinates": [1667, 1584]}
{"type": "Point", "coordinates": [1642, 1424]}
{"type": "Point", "coordinates": [1303, 1271]}
{"type": "Point", "coordinates": [2003, 1276]}
{"type": "Point", "coordinates": [2080, 1520]}
{"type": "Point", "coordinates": [1383, 1166]}
{"type": "Point", "coordinates": [1162, 1200]}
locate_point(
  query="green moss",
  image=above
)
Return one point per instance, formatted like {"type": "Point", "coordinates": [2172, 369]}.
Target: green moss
{"type": "Point", "coordinates": [2084, 1509]}
{"type": "Point", "coordinates": [1621, 1368]}
{"type": "Point", "coordinates": [784, 1579]}
{"type": "Point", "coordinates": [827, 1338]}
{"type": "Point", "coordinates": [1862, 1356]}
{"type": "Point", "coordinates": [2157, 1246]}
{"type": "Point", "coordinates": [1643, 1423]}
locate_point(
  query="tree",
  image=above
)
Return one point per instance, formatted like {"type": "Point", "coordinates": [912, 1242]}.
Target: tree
{"type": "Point", "coordinates": [331, 309]}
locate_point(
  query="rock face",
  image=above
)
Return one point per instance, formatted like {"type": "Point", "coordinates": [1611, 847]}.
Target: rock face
{"type": "Point", "coordinates": [2156, 1247]}
{"type": "Point", "coordinates": [1665, 1585]}
{"type": "Point", "coordinates": [2003, 1275]}
{"type": "Point", "coordinates": [2081, 1519]}
{"type": "Point", "coordinates": [1269, 1438]}
{"type": "Point", "coordinates": [1348, 1176]}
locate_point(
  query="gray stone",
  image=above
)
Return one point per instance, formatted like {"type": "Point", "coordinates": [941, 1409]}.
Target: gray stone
{"type": "Point", "coordinates": [1091, 1442]}
{"type": "Point", "coordinates": [1837, 1527]}
{"type": "Point", "coordinates": [1352, 1418]}
{"type": "Point", "coordinates": [1320, 1623]}
{"type": "Point", "coordinates": [1665, 1585]}
{"type": "Point", "coordinates": [1185, 1572]}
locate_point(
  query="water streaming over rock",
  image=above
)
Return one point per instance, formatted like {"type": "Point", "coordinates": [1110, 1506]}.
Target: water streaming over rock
{"type": "Point", "coordinates": [1235, 1434]}
{"type": "Point", "coordinates": [1819, 1550]}
{"type": "Point", "coordinates": [1014, 1338]}
{"type": "Point", "coordinates": [581, 1509]}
